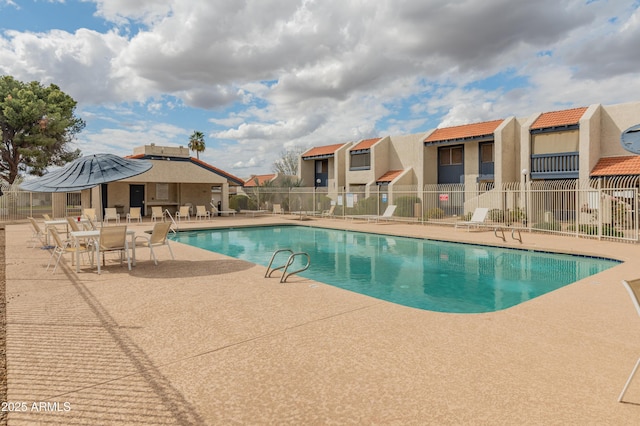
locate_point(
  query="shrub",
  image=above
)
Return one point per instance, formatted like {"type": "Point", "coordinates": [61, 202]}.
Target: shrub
{"type": "Point", "coordinates": [324, 201]}
{"type": "Point", "coordinates": [367, 205]}
{"type": "Point", "coordinates": [496, 215]}
{"type": "Point", "coordinates": [607, 230]}
{"type": "Point", "coordinates": [239, 202]}
{"type": "Point", "coordinates": [434, 213]}
{"type": "Point", "coordinates": [547, 226]}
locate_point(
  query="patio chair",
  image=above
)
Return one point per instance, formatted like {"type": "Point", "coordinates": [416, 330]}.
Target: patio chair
{"type": "Point", "coordinates": [157, 238]}
{"type": "Point", "coordinates": [90, 214]}
{"type": "Point", "coordinates": [157, 213]}
{"type": "Point", "coordinates": [73, 224]}
{"type": "Point", "coordinates": [633, 287]}
{"type": "Point", "coordinates": [111, 213]}
{"type": "Point", "coordinates": [66, 246]}
{"type": "Point", "coordinates": [216, 212]}
{"type": "Point", "coordinates": [477, 219]}
{"type": "Point", "coordinates": [183, 213]}
{"type": "Point", "coordinates": [202, 212]}
{"type": "Point", "coordinates": [134, 214]}
{"type": "Point", "coordinates": [386, 215]}
{"type": "Point", "coordinates": [113, 238]}
{"type": "Point", "coordinates": [91, 225]}
{"type": "Point", "coordinates": [277, 209]}
{"type": "Point", "coordinates": [47, 218]}
{"type": "Point", "coordinates": [38, 234]}
{"type": "Point", "coordinates": [329, 213]}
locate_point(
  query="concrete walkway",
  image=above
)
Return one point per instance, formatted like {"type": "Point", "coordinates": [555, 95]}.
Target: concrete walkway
{"type": "Point", "coordinates": [205, 339]}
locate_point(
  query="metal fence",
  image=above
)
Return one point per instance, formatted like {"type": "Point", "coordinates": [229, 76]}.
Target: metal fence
{"type": "Point", "coordinates": [594, 209]}
{"type": "Point", "coordinates": [16, 205]}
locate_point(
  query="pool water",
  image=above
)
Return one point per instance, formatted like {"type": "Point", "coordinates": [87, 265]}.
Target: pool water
{"type": "Point", "coordinates": [425, 274]}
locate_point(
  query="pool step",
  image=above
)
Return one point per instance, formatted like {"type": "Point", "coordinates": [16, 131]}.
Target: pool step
{"type": "Point", "coordinates": [290, 260]}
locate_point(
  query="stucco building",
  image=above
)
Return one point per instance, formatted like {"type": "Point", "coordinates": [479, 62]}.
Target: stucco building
{"type": "Point", "coordinates": [176, 179]}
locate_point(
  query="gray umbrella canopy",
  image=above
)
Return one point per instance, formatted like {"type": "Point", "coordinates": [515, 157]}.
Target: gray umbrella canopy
{"type": "Point", "coordinates": [87, 172]}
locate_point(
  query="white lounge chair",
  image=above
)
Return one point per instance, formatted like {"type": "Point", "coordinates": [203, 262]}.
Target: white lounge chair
{"type": "Point", "coordinates": [633, 287]}
{"type": "Point", "coordinates": [328, 213]}
{"type": "Point", "coordinates": [387, 215]}
{"type": "Point", "coordinates": [277, 209]}
{"type": "Point", "coordinates": [477, 219]}
{"type": "Point", "coordinates": [254, 213]}
{"type": "Point", "coordinates": [215, 211]}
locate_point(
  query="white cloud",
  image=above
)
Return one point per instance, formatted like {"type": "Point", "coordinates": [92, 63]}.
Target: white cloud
{"type": "Point", "coordinates": [302, 73]}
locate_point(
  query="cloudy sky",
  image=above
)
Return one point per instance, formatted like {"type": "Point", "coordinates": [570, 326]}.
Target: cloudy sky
{"type": "Point", "coordinates": [258, 77]}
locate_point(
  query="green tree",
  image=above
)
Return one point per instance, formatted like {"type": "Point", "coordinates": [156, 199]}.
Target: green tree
{"type": "Point", "coordinates": [37, 124]}
{"type": "Point", "coordinates": [196, 143]}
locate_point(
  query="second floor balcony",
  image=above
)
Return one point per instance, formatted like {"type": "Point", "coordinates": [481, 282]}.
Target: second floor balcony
{"type": "Point", "coordinates": [560, 165]}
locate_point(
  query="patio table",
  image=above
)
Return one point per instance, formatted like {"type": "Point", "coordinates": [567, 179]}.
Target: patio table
{"type": "Point", "coordinates": [79, 235]}
{"type": "Point", "coordinates": [55, 222]}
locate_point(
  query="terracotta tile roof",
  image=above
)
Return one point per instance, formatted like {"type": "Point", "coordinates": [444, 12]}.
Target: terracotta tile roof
{"type": "Point", "coordinates": [365, 144]}
{"type": "Point", "coordinates": [135, 156]}
{"type": "Point", "coordinates": [617, 166]}
{"type": "Point", "coordinates": [322, 150]}
{"type": "Point", "coordinates": [559, 118]}
{"type": "Point", "coordinates": [389, 176]}
{"type": "Point", "coordinates": [258, 180]}
{"type": "Point", "coordinates": [464, 131]}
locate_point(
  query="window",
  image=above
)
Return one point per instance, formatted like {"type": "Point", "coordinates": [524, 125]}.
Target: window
{"type": "Point", "coordinates": [322, 166]}
{"type": "Point", "coordinates": [486, 153]}
{"type": "Point", "coordinates": [162, 191]}
{"type": "Point", "coordinates": [360, 161]}
{"type": "Point", "coordinates": [450, 156]}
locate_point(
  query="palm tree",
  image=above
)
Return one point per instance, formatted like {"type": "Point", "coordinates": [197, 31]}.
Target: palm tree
{"type": "Point", "coordinates": [196, 143]}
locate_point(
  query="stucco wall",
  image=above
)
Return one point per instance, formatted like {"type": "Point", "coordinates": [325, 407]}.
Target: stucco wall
{"type": "Point", "coordinates": [380, 159]}
{"type": "Point", "coordinates": [506, 152]}
{"type": "Point", "coordinates": [407, 152]}
{"type": "Point", "coordinates": [590, 140]}
{"type": "Point", "coordinates": [615, 120]}
{"type": "Point", "coordinates": [177, 171]}
{"type": "Point", "coordinates": [306, 171]}
{"type": "Point", "coordinates": [341, 167]}
{"type": "Point", "coordinates": [429, 162]}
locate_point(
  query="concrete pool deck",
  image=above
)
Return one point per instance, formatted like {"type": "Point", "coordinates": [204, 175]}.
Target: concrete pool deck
{"type": "Point", "coordinates": [205, 339]}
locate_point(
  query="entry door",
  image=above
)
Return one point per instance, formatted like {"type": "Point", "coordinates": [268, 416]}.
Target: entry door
{"type": "Point", "coordinates": [136, 197]}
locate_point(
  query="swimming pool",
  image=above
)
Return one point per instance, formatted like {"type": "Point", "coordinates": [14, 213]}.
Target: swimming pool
{"type": "Point", "coordinates": [426, 274]}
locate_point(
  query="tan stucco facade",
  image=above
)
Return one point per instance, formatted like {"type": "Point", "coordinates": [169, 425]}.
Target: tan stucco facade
{"type": "Point", "coordinates": [597, 135]}
{"type": "Point", "coordinates": [174, 180]}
